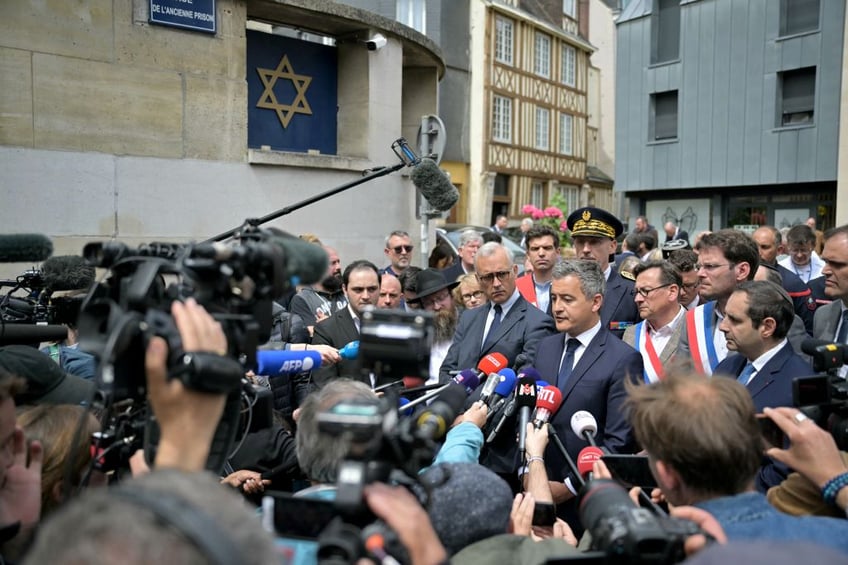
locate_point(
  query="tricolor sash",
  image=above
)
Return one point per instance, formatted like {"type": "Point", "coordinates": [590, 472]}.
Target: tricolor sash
{"type": "Point", "coordinates": [699, 330]}
{"type": "Point", "coordinates": [653, 367]}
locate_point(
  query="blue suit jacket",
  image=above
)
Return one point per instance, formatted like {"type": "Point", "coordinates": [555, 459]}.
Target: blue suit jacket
{"type": "Point", "coordinates": [772, 385]}
{"type": "Point", "coordinates": [596, 385]}
{"type": "Point", "coordinates": [519, 332]}
{"type": "Point", "coordinates": [618, 305]}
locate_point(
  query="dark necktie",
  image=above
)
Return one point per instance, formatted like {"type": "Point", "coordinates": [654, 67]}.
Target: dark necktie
{"type": "Point", "coordinates": [567, 362]}
{"type": "Point", "coordinates": [746, 373]}
{"type": "Point", "coordinates": [496, 321]}
{"type": "Point", "coordinates": [843, 329]}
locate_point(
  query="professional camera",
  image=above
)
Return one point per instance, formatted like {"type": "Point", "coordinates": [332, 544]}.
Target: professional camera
{"type": "Point", "coordinates": [235, 283]}
{"type": "Point", "coordinates": [32, 311]}
{"type": "Point", "coordinates": [824, 396]}
{"type": "Point", "coordinates": [625, 533]}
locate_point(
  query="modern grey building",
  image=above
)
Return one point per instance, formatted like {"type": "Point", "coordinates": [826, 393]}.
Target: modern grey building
{"type": "Point", "coordinates": [727, 111]}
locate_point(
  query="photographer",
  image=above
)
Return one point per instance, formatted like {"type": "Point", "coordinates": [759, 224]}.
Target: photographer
{"type": "Point", "coordinates": [176, 514]}
{"type": "Point", "coordinates": [704, 444]}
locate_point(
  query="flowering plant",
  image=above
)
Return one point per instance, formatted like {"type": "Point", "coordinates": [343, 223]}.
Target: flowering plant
{"type": "Point", "coordinates": [552, 216]}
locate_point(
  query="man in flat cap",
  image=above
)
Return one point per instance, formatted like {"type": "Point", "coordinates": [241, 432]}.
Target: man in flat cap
{"type": "Point", "coordinates": [593, 232]}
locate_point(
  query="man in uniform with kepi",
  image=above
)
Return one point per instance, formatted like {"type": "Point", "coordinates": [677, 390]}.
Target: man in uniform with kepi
{"type": "Point", "coordinates": [594, 232]}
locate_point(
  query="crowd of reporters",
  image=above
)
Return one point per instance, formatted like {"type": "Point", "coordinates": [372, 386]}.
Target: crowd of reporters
{"type": "Point", "coordinates": [701, 435]}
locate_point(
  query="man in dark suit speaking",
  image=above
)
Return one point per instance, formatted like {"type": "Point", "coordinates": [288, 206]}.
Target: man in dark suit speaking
{"type": "Point", "coordinates": [589, 366]}
{"type": "Point", "coordinates": [509, 325]}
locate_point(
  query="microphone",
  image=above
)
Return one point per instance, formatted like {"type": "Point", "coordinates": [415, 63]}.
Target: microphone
{"type": "Point", "coordinates": [836, 353]}
{"type": "Point", "coordinates": [278, 363]}
{"type": "Point", "coordinates": [586, 460]}
{"type": "Point", "coordinates": [24, 248]}
{"type": "Point", "coordinates": [505, 386]}
{"type": "Point", "coordinates": [552, 435]}
{"type": "Point", "coordinates": [435, 420]}
{"type": "Point", "coordinates": [402, 409]}
{"type": "Point", "coordinates": [548, 401]}
{"type": "Point", "coordinates": [350, 351]}
{"type": "Point", "coordinates": [584, 425]}
{"type": "Point", "coordinates": [540, 384]}
{"type": "Point", "coordinates": [29, 334]}
{"type": "Point", "coordinates": [491, 363]}
{"type": "Point", "coordinates": [468, 379]}
{"type": "Point", "coordinates": [434, 185]}
{"type": "Point", "coordinates": [489, 387]}
{"type": "Point", "coordinates": [67, 272]}
{"type": "Point", "coordinates": [306, 263]}
{"type": "Point", "coordinates": [525, 399]}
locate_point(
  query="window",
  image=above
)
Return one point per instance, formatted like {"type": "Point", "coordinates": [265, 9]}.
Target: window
{"type": "Point", "coordinates": [569, 64]}
{"type": "Point", "coordinates": [501, 185]}
{"type": "Point", "coordinates": [664, 111]}
{"type": "Point", "coordinates": [412, 13]}
{"type": "Point", "coordinates": [542, 60]}
{"type": "Point", "coordinates": [571, 195]}
{"type": "Point", "coordinates": [796, 96]}
{"type": "Point", "coordinates": [502, 119]}
{"type": "Point", "coordinates": [537, 194]}
{"type": "Point", "coordinates": [665, 31]}
{"type": "Point", "coordinates": [503, 40]}
{"type": "Point", "coordinates": [798, 16]}
{"type": "Point", "coordinates": [569, 8]}
{"type": "Point", "coordinates": [566, 133]}
{"type": "Point", "coordinates": [543, 129]}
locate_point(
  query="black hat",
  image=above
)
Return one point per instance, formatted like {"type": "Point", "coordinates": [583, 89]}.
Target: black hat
{"type": "Point", "coordinates": [431, 281]}
{"type": "Point", "coordinates": [46, 382]}
{"type": "Point", "coordinates": [594, 222]}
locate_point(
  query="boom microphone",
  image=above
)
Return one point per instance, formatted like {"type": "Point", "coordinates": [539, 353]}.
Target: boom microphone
{"type": "Point", "coordinates": [434, 185]}
{"type": "Point", "coordinates": [24, 248]}
{"type": "Point", "coordinates": [525, 398]}
{"type": "Point", "coordinates": [31, 334]}
{"type": "Point", "coordinates": [548, 402]}
{"type": "Point", "coordinates": [67, 272]}
{"type": "Point", "coordinates": [279, 363]}
{"type": "Point", "coordinates": [584, 426]}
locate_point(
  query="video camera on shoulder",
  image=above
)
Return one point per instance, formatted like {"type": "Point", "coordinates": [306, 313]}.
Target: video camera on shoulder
{"type": "Point", "coordinates": [824, 396]}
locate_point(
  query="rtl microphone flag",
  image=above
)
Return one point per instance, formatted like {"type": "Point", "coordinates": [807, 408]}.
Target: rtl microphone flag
{"type": "Point", "coordinates": [548, 402]}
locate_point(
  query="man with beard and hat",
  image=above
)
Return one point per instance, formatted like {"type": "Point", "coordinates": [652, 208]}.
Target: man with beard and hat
{"type": "Point", "coordinates": [319, 301]}
{"type": "Point", "coordinates": [434, 295]}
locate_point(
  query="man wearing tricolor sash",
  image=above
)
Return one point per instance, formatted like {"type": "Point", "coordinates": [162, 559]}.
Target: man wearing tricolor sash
{"type": "Point", "coordinates": [656, 337]}
{"type": "Point", "coordinates": [726, 258]}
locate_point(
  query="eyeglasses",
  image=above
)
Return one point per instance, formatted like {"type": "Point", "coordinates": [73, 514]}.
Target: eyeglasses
{"type": "Point", "coordinates": [709, 267]}
{"type": "Point", "coordinates": [490, 278]}
{"type": "Point", "coordinates": [478, 294]}
{"type": "Point", "coordinates": [402, 249]}
{"type": "Point", "coordinates": [433, 299]}
{"type": "Point", "coordinates": [646, 291]}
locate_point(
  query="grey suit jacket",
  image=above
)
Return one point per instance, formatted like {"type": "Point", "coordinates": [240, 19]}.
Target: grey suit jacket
{"type": "Point", "coordinates": [670, 348]}
{"type": "Point", "coordinates": [826, 321]}
{"type": "Point", "coordinates": [519, 331]}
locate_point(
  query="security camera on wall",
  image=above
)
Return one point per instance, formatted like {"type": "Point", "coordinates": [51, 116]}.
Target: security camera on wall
{"type": "Point", "coordinates": [377, 41]}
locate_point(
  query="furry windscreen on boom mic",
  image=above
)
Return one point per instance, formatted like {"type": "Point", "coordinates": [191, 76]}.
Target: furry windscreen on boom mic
{"type": "Point", "coordinates": [67, 272]}
{"type": "Point", "coordinates": [24, 248]}
{"type": "Point", "coordinates": [434, 185]}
